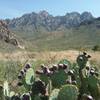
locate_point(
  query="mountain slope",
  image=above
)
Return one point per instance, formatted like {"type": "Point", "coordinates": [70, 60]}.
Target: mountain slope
{"type": "Point", "coordinates": [42, 31]}
{"type": "Point", "coordinates": [8, 40]}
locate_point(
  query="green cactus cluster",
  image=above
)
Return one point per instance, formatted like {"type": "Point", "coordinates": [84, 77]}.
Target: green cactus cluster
{"type": "Point", "coordinates": [63, 81]}
{"type": "Point", "coordinates": [26, 76]}
{"type": "Point", "coordinates": [57, 73]}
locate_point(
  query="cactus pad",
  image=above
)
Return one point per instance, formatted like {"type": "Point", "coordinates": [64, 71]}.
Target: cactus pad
{"type": "Point", "coordinates": [29, 78]}
{"type": "Point", "coordinates": [94, 87]}
{"type": "Point", "coordinates": [65, 61]}
{"type": "Point", "coordinates": [6, 89]}
{"type": "Point", "coordinates": [68, 92]}
{"type": "Point", "coordinates": [54, 94]}
{"type": "Point", "coordinates": [59, 78]}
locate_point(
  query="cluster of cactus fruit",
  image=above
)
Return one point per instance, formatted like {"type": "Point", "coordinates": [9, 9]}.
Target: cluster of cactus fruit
{"type": "Point", "coordinates": [62, 81]}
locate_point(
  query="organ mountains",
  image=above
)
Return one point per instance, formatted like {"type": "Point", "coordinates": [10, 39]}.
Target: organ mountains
{"type": "Point", "coordinates": [43, 31]}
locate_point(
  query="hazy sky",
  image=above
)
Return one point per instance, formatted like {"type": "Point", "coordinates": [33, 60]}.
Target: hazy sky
{"type": "Point", "coordinates": [16, 8]}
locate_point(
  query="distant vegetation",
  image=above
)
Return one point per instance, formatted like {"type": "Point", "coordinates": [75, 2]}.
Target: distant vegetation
{"type": "Point", "coordinates": [96, 48]}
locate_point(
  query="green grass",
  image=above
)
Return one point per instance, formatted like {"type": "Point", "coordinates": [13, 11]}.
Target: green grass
{"type": "Point", "coordinates": [9, 70]}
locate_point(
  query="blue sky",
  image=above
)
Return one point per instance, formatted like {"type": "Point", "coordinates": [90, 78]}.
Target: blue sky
{"type": "Point", "coordinates": [16, 8]}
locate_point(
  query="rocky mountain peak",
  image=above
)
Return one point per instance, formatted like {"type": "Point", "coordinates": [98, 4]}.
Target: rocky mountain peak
{"type": "Point", "coordinates": [44, 13]}
{"type": "Point", "coordinates": [73, 14]}
{"type": "Point", "coordinates": [86, 16]}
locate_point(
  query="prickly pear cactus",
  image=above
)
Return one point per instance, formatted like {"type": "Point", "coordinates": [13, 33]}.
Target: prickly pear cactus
{"type": "Point", "coordinates": [49, 87]}
{"type": "Point", "coordinates": [44, 78]}
{"type": "Point", "coordinates": [59, 78]}
{"type": "Point", "coordinates": [6, 89]}
{"type": "Point", "coordinates": [38, 88]}
{"type": "Point", "coordinates": [94, 87]}
{"type": "Point", "coordinates": [68, 92]}
{"type": "Point", "coordinates": [83, 88]}
{"type": "Point", "coordinates": [1, 92]}
{"type": "Point", "coordinates": [36, 97]}
{"type": "Point", "coordinates": [12, 93]}
{"type": "Point", "coordinates": [30, 76]}
{"type": "Point", "coordinates": [54, 94]}
{"type": "Point", "coordinates": [82, 60]}
{"type": "Point", "coordinates": [65, 61]}
{"type": "Point", "coordinates": [25, 96]}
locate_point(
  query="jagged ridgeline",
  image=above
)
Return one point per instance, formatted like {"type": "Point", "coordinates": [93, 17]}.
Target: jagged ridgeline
{"type": "Point", "coordinates": [43, 20]}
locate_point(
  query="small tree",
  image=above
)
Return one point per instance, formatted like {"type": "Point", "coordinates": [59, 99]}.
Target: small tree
{"type": "Point", "coordinates": [95, 48]}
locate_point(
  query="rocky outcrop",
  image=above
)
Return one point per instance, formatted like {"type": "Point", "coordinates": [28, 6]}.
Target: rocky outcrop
{"type": "Point", "coordinates": [6, 35]}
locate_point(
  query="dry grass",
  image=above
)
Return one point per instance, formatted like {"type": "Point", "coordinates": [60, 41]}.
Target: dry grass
{"type": "Point", "coordinates": [48, 56]}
